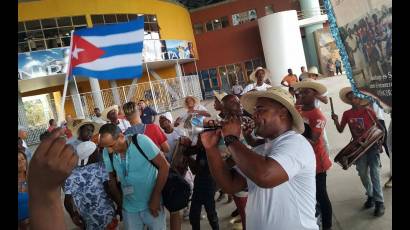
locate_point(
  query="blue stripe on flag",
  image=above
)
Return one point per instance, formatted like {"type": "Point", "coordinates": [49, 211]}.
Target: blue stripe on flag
{"type": "Point", "coordinates": [112, 74]}
{"type": "Point", "coordinates": [122, 49]}
{"type": "Point", "coordinates": [103, 30]}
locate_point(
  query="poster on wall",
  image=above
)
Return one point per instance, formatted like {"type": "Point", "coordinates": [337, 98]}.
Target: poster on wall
{"type": "Point", "coordinates": [366, 31]}
{"type": "Point", "coordinates": [177, 49]}
{"type": "Point", "coordinates": [42, 63]}
{"type": "Point", "coordinates": [327, 51]}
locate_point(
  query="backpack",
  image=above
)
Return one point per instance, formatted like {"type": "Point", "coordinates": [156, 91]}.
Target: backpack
{"type": "Point", "coordinates": [176, 191]}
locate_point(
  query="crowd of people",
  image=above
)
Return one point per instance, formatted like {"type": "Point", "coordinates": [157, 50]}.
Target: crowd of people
{"type": "Point", "coordinates": [114, 167]}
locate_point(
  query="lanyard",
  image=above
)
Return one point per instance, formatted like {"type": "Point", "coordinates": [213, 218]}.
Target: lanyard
{"type": "Point", "coordinates": [126, 168]}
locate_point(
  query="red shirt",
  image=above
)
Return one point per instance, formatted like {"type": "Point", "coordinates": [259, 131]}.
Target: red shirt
{"type": "Point", "coordinates": [317, 121]}
{"type": "Point", "coordinates": [359, 120]}
{"type": "Point", "coordinates": [156, 134]}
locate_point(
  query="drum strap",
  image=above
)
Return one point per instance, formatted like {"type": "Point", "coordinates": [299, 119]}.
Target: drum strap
{"type": "Point", "coordinates": [376, 121]}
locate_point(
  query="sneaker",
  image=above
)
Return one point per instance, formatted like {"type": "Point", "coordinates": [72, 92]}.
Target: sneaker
{"type": "Point", "coordinates": [369, 203]}
{"type": "Point", "coordinates": [379, 210]}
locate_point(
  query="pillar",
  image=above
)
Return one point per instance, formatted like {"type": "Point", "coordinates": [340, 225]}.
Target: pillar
{"type": "Point", "coordinates": [75, 96]}
{"type": "Point", "coordinates": [311, 8]}
{"type": "Point", "coordinates": [282, 44]}
{"type": "Point", "coordinates": [115, 94]}
{"type": "Point", "coordinates": [57, 104]}
{"type": "Point", "coordinates": [96, 92]}
{"type": "Point", "coordinates": [178, 72]}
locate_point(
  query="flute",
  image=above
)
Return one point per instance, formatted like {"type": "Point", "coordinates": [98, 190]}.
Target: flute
{"type": "Point", "coordinates": [331, 105]}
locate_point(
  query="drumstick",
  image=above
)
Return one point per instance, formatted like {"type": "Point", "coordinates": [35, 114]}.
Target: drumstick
{"type": "Point", "coordinates": [331, 105]}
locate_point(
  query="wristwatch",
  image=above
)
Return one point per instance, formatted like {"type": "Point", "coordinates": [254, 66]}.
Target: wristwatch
{"type": "Point", "coordinates": [230, 139]}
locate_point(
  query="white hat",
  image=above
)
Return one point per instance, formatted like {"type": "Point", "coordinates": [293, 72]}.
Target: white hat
{"type": "Point", "coordinates": [168, 116]}
{"type": "Point", "coordinates": [84, 150]}
{"type": "Point", "coordinates": [309, 83]}
{"type": "Point", "coordinates": [252, 76]}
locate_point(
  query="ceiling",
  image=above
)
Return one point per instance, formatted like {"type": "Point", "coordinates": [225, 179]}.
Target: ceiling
{"type": "Point", "coordinates": [192, 4]}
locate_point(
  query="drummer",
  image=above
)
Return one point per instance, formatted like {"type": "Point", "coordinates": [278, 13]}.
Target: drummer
{"type": "Point", "coordinates": [360, 120]}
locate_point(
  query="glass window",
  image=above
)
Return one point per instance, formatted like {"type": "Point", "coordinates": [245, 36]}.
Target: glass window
{"type": "Point", "coordinates": [257, 62]}
{"type": "Point", "coordinates": [64, 21]}
{"type": "Point", "coordinates": [209, 26]}
{"type": "Point", "coordinates": [150, 18]}
{"type": "Point", "coordinates": [132, 16]}
{"type": "Point", "coordinates": [214, 79]}
{"type": "Point", "coordinates": [22, 37]}
{"type": "Point", "coordinates": [239, 73]}
{"type": "Point", "coordinates": [268, 10]}
{"type": "Point", "coordinates": [33, 25]}
{"type": "Point", "coordinates": [65, 31]}
{"type": "Point", "coordinates": [79, 27]}
{"type": "Point", "coordinates": [23, 47]}
{"type": "Point", "coordinates": [97, 19]}
{"type": "Point", "coordinates": [35, 34]}
{"type": "Point", "coordinates": [249, 67]}
{"type": "Point", "coordinates": [110, 18]}
{"type": "Point", "coordinates": [79, 20]}
{"type": "Point", "coordinates": [122, 18]}
{"type": "Point", "coordinates": [198, 28]}
{"type": "Point", "coordinates": [154, 26]}
{"type": "Point", "coordinates": [21, 26]}
{"type": "Point", "coordinates": [37, 45]}
{"type": "Point", "coordinates": [49, 23]}
{"type": "Point", "coordinates": [52, 43]}
{"type": "Point", "coordinates": [225, 22]}
{"type": "Point", "coordinates": [66, 41]}
{"type": "Point", "coordinates": [217, 24]}
{"type": "Point", "coordinates": [51, 33]}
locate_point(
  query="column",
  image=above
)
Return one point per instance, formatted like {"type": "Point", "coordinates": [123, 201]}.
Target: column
{"type": "Point", "coordinates": [75, 96]}
{"type": "Point", "coordinates": [282, 44]}
{"type": "Point", "coordinates": [115, 94]}
{"type": "Point", "coordinates": [96, 92]}
{"type": "Point", "coordinates": [178, 72]}
{"type": "Point", "coordinates": [311, 8]}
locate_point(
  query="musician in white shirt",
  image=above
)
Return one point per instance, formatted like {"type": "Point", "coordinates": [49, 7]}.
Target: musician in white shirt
{"type": "Point", "coordinates": [259, 75]}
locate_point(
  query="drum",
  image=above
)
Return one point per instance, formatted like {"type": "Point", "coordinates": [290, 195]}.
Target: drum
{"type": "Point", "coordinates": [356, 148]}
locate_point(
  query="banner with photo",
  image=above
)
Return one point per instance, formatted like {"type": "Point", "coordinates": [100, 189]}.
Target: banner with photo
{"type": "Point", "coordinates": [42, 63]}
{"type": "Point", "coordinates": [177, 49]}
{"type": "Point", "coordinates": [327, 51]}
{"type": "Point", "coordinates": [366, 33]}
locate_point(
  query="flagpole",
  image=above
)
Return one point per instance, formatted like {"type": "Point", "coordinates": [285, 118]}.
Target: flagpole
{"type": "Point", "coordinates": [67, 75]}
{"type": "Point", "coordinates": [152, 89]}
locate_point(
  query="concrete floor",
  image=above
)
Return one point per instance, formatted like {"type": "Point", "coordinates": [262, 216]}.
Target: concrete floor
{"type": "Point", "coordinates": [344, 187]}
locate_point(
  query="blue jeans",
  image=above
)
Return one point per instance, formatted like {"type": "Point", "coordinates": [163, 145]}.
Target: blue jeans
{"type": "Point", "coordinates": [371, 160]}
{"type": "Point", "coordinates": [136, 221]}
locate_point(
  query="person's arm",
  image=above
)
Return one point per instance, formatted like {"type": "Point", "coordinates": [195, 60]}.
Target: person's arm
{"type": "Point", "coordinates": [202, 113]}
{"type": "Point", "coordinates": [283, 82]}
{"type": "Point", "coordinates": [53, 160]}
{"type": "Point", "coordinates": [339, 127]}
{"type": "Point", "coordinates": [228, 180]}
{"type": "Point", "coordinates": [269, 172]}
{"type": "Point", "coordinates": [71, 209]}
{"type": "Point", "coordinates": [252, 141]}
{"type": "Point", "coordinates": [163, 168]}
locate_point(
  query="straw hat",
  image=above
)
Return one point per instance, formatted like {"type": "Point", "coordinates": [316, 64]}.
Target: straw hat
{"type": "Point", "coordinates": [85, 150]}
{"type": "Point", "coordinates": [219, 96]}
{"type": "Point", "coordinates": [107, 110]}
{"type": "Point", "coordinates": [314, 70]}
{"type": "Point", "coordinates": [280, 95]}
{"type": "Point", "coordinates": [253, 77]}
{"type": "Point", "coordinates": [193, 97]}
{"type": "Point", "coordinates": [71, 124]}
{"type": "Point", "coordinates": [343, 96]}
{"type": "Point", "coordinates": [97, 127]}
{"type": "Point", "coordinates": [311, 84]}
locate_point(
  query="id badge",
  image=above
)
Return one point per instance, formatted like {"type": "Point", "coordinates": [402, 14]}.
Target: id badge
{"type": "Point", "coordinates": [128, 190]}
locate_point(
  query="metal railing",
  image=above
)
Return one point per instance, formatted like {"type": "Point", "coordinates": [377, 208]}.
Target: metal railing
{"type": "Point", "coordinates": [166, 95]}
{"type": "Point", "coordinates": [312, 11]}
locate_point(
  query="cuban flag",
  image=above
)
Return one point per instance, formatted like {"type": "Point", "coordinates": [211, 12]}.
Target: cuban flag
{"type": "Point", "coordinates": [108, 52]}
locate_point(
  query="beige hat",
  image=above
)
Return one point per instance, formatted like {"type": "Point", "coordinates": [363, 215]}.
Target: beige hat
{"type": "Point", "coordinates": [193, 97]}
{"type": "Point", "coordinates": [280, 95]}
{"type": "Point", "coordinates": [219, 95]}
{"type": "Point", "coordinates": [314, 70]}
{"type": "Point", "coordinates": [71, 124]}
{"type": "Point", "coordinates": [344, 91]}
{"type": "Point", "coordinates": [309, 83]}
{"type": "Point", "coordinates": [253, 77]}
{"type": "Point", "coordinates": [97, 127]}
{"type": "Point", "coordinates": [107, 110]}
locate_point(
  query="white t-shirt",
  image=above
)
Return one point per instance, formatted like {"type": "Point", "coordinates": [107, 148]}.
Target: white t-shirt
{"type": "Point", "coordinates": [237, 89]}
{"type": "Point", "coordinates": [124, 124]}
{"type": "Point", "coordinates": [173, 137]}
{"type": "Point", "coordinates": [98, 120]}
{"type": "Point", "coordinates": [290, 205]}
{"type": "Point", "coordinates": [250, 87]}
{"type": "Point", "coordinates": [185, 114]}
{"type": "Point", "coordinates": [379, 111]}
